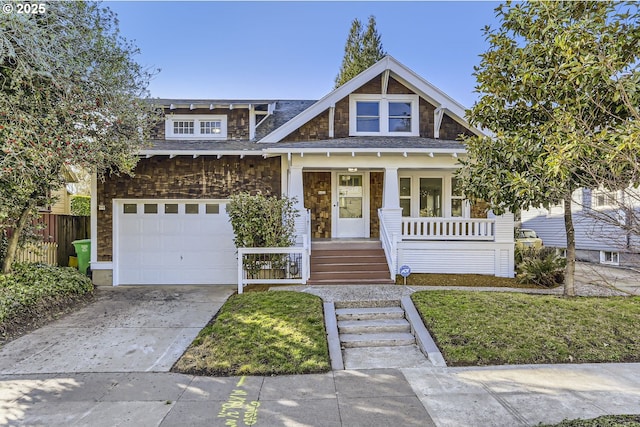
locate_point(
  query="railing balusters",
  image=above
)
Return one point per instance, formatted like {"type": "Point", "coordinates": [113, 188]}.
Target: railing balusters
{"type": "Point", "coordinates": [448, 228]}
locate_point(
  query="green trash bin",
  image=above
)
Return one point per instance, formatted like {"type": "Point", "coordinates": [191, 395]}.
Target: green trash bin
{"type": "Point", "coordinates": [83, 249]}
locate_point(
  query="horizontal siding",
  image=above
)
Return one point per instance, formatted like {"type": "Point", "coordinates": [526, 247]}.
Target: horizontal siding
{"type": "Point", "coordinates": [442, 261]}
{"type": "Point", "coordinates": [590, 234]}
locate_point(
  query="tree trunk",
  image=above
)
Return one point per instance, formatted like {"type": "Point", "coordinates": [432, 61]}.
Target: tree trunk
{"type": "Point", "coordinates": [12, 243]}
{"type": "Point", "coordinates": [569, 272]}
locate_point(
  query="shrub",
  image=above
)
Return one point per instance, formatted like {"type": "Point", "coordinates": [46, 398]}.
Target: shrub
{"type": "Point", "coordinates": [262, 221]}
{"type": "Point", "coordinates": [542, 267]}
{"type": "Point", "coordinates": [30, 289]}
{"type": "Point", "coordinates": [81, 205]}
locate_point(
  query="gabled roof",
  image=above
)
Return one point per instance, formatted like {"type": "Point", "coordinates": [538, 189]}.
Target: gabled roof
{"type": "Point", "coordinates": [399, 72]}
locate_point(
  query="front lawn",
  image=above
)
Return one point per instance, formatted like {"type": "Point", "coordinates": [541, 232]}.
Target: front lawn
{"type": "Point", "coordinates": [494, 328]}
{"type": "Point", "coordinates": [34, 294]}
{"type": "Point", "coordinates": [261, 333]}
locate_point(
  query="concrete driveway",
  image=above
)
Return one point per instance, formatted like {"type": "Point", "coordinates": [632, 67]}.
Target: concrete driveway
{"type": "Point", "coordinates": [127, 329]}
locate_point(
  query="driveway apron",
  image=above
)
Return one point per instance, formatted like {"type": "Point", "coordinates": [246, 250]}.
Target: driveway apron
{"type": "Point", "coordinates": [127, 329]}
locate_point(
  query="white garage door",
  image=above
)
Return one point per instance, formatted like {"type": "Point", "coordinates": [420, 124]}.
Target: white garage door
{"type": "Point", "coordinates": [167, 242]}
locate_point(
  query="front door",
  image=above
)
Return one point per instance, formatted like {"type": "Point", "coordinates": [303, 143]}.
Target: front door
{"type": "Point", "coordinates": [350, 205]}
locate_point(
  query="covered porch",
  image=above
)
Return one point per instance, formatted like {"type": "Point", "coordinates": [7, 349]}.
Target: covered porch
{"type": "Point", "coordinates": [407, 197]}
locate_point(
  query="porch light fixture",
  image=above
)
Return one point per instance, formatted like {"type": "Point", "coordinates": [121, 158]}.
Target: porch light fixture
{"type": "Point", "coordinates": [353, 169]}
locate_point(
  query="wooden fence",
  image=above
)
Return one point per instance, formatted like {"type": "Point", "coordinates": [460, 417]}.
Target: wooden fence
{"type": "Point", "coordinates": [57, 233]}
{"type": "Point", "coordinates": [40, 252]}
{"type": "Point", "coordinates": [70, 228]}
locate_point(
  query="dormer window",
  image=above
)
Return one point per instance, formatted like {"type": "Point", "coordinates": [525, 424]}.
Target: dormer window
{"type": "Point", "coordinates": [196, 126]}
{"type": "Point", "coordinates": [390, 115]}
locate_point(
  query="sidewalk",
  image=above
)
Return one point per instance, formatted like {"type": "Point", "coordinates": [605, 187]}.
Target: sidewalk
{"type": "Point", "coordinates": [526, 395]}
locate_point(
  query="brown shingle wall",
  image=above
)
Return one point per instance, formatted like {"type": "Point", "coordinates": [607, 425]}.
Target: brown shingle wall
{"type": "Point", "coordinates": [426, 119]}
{"type": "Point", "coordinates": [315, 129]}
{"type": "Point", "coordinates": [319, 204]}
{"type": "Point", "coordinates": [375, 201]}
{"type": "Point", "coordinates": [184, 178]}
{"type": "Point", "coordinates": [237, 121]}
{"type": "Point", "coordinates": [450, 129]}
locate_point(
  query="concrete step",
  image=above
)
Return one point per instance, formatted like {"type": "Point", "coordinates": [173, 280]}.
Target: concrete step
{"type": "Point", "coordinates": [373, 326]}
{"type": "Point", "coordinates": [369, 313]}
{"type": "Point", "coordinates": [376, 340]}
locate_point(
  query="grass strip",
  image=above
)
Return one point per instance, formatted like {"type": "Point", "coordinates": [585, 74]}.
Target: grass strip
{"type": "Point", "coordinates": [482, 328]}
{"type": "Point", "coordinates": [261, 333]}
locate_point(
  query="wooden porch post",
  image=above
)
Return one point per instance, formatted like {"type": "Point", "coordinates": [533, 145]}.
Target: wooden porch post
{"type": "Point", "coordinates": [390, 191]}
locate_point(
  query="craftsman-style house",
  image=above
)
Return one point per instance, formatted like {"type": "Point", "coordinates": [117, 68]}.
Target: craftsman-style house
{"type": "Point", "coordinates": [372, 160]}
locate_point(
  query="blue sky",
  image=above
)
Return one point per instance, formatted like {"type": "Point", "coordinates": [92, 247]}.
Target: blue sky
{"type": "Point", "coordinates": [293, 50]}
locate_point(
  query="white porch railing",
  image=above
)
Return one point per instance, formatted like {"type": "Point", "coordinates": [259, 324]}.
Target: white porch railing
{"type": "Point", "coordinates": [474, 229]}
{"type": "Point", "coordinates": [389, 242]}
{"type": "Point", "coordinates": [272, 266]}
{"type": "Point", "coordinates": [290, 265]}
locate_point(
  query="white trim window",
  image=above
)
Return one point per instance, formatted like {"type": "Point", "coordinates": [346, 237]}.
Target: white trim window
{"type": "Point", "coordinates": [188, 126]}
{"type": "Point", "coordinates": [603, 198]}
{"type": "Point", "coordinates": [388, 115]}
{"type": "Point", "coordinates": [609, 257]}
{"type": "Point", "coordinates": [457, 198]}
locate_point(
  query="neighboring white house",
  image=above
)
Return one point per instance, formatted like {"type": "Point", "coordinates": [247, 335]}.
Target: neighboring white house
{"type": "Point", "coordinates": [373, 159]}
{"type": "Point", "coordinates": [602, 224]}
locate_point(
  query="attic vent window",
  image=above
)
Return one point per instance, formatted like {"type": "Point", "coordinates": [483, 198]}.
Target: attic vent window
{"type": "Point", "coordinates": [196, 126]}
{"type": "Point", "coordinates": [388, 115]}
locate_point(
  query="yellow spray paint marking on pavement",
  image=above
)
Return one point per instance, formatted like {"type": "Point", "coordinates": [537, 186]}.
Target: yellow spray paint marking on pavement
{"type": "Point", "coordinates": [236, 410]}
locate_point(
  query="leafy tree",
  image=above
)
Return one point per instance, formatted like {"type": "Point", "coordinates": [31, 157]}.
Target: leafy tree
{"type": "Point", "coordinates": [559, 88]}
{"type": "Point", "coordinates": [81, 205]}
{"type": "Point", "coordinates": [71, 93]}
{"type": "Point", "coordinates": [362, 50]}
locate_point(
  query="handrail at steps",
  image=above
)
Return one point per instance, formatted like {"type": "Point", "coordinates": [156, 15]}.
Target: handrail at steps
{"type": "Point", "coordinates": [389, 245]}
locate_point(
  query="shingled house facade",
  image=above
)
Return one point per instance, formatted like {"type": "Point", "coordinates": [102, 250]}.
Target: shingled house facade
{"type": "Point", "coordinates": [373, 159]}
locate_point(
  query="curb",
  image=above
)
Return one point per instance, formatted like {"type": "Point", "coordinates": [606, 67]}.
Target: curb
{"type": "Point", "coordinates": [333, 339]}
{"type": "Point", "coordinates": [425, 342]}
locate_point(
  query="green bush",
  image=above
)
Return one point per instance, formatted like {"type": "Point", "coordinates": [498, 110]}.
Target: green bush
{"type": "Point", "coordinates": [81, 205]}
{"type": "Point", "coordinates": [542, 267]}
{"type": "Point", "coordinates": [30, 286]}
{"type": "Point", "coordinates": [260, 221]}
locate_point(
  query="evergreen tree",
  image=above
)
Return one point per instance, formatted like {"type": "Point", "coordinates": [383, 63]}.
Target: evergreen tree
{"type": "Point", "coordinates": [362, 50]}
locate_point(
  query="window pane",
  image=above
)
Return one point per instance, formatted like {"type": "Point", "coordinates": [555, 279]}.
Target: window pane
{"type": "Point", "coordinates": [405, 187]}
{"type": "Point", "coordinates": [130, 208]}
{"type": "Point", "coordinates": [350, 207]}
{"type": "Point", "coordinates": [430, 197]}
{"type": "Point", "coordinates": [210, 127]}
{"type": "Point", "coordinates": [399, 109]}
{"type": "Point", "coordinates": [368, 124]}
{"type": "Point", "coordinates": [171, 208]}
{"type": "Point", "coordinates": [183, 127]}
{"type": "Point", "coordinates": [456, 207]}
{"type": "Point", "coordinates": [371, 108]}
{"type": "Point", "coordinates": [212, 208]}
{"type": "Point", "coordinates": [191, 208]}
{"type": "Point", "coordinates": [399, 125]}
{"type": "Point", "coordinates": [405, 204]}
{"type": "Point", "coordinates": [455, 187]}
{"type": "Point", "coordinates": [150, 208]}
